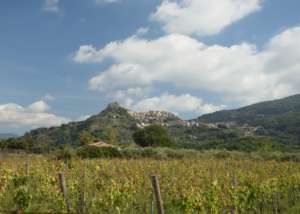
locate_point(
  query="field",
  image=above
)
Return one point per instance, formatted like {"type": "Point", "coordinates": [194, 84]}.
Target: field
{"type": "Point", "coordinates": [124, 186]}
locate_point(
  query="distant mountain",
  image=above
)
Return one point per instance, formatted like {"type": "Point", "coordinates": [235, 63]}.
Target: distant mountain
{"type": "Point", "coordinates": [245, 128]}
{"type": "Point", "coordinates": [7, 135]}
{"type": "Point", "coordinates": [114, 117]}
{"type": "Point", "coordinates": [279, 119]}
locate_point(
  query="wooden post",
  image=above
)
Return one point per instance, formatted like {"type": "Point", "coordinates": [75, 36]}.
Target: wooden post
{"type": "Point", "coordinates": [234, 180]}
{"type": "Point", "coordinates": [276, 203]}
{"type": "Point", "coordinates": [234, 186]}
{"type": "Point", "coordinates": [63, 188]}
{"type": "Point", "coordinates": [27, 166]}
{"type": "Point", "coordinates": [152, 205]}
{"type": "Point", "coordinates": [19, 211]}
{"type": "Point", "coordinates": [81, 204]}
{"type": "Point", "coordinates": [157, 193]}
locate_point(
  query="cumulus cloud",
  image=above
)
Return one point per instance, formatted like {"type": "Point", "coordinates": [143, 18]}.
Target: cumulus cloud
{"type": "Point", "coordinates": [128, 97]}
{"type": "Point", "coordinates": [240, 73]}
{"type": "Point", "coordinates": [142, 31]}
{"type": "Point", "coordinates": [88, 53]}
{"type": "Point", "coordinates": [121, 76]}
{"type": "Point", "coordinates": [51, 6]}
{"type": "Point", "coordinates": [202, 17]}
{"type": "Point", "coordinates": [176, 104]}
{"type": "Point", "coordinates": [83, 118]}
{"type": "Point", "coordinates": [48, 97]}
{"type": "Point", "coordinates": [14, 116]}
{"type": "Point", "coordinates": [39, 106]}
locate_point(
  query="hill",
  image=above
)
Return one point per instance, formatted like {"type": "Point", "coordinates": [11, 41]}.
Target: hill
{"type": "Point", "coordinates": [121, 121]}
{"type": "Point", "coordinates": [263, 125]}
{"type": "Point", "coordinates": [124, 123]}
{"type": "Point", "coordinates": [279, 119]}
{"type": "Point", "coordinates": [113, 118]}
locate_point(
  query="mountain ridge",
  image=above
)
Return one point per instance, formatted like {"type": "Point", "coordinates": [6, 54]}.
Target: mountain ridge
{"type": "Point", "coordinates": [286, 104]}
{"type": "Point", "coordinates": [278, 118]}
{"type": "Point", "coordinates": [280, 121]}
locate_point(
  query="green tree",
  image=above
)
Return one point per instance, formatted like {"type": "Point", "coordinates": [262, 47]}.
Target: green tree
{"type": "Point", "coordinates": [66, 153]}
{"type": "Point", "coordinates": [112, 136]}
{"type": "Point", "coordinates": [86, 138]}
{"type": "Point", "coordinates": [153, 136]}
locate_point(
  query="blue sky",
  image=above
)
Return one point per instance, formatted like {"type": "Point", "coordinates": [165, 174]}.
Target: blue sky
{"type": "Point", "coordinates": [62, 60]}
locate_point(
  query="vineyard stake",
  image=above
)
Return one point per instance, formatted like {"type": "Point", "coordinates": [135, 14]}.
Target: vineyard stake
{"type": "Point", "coordinates": [152, 204]}
{"type": "Point", "coordinates": [234, 185]}
{"type": "Point", "coordinates": [81, 208]}
{"type": "Point", "coordinates": [27, 166]}
{"type": "Point", "coordinates": [63, 188]}
{"type": "Point", "coordinates": [156, 189]}
{"type": "Point", "coordinates": [19, 212]}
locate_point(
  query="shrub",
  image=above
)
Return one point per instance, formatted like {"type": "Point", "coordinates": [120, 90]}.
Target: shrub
{"type": "Point", "coordinates": [65, 153]}
{"type": "Point", "coordinates": [85, 138]}
{"type": "Point", "coordinates": [153, 136]}
{"type": "Point", "coordinates": [92, 152]}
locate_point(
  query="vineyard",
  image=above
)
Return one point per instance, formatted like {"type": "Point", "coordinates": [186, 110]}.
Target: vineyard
{"type": "Point", "coordinates": [124, 186]}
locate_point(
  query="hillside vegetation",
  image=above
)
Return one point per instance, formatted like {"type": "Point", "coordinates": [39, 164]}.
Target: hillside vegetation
{"type": "Point", "coordinates": [113, 118]}
{"type": "Point", "coordinates": [279, 119]}
{"type": "Point", "coordinates": [267, 126]}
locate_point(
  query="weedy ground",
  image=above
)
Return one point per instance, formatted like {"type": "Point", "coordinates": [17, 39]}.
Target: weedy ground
{"type": "Point", "coordinates": [123, 186]}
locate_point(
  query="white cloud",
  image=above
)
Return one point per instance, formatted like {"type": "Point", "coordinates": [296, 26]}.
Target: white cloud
{"type": "Point", "coordinates": [48, 97]}
{"type": "Point", "coordinates": [202, 17]}
{"type": "Point", "coordinates": [39, 106]}
{"type": "Point", "coordinates": [87, 53]}
{"type": "Point", "coordinates": [121, 76]}
{"type": "Point", "coordinates": [83, 118]}
{"type": "Point", "coordinates": [176, 104]}
{"type": "Point", "coordinates": [142, 31]}
{"type": "Point", "coordinates": [51, 6]}
{"type": "Point", "coordinates": [240, 73]}
{"type": "Point", "coordinates": [128, 97]}
{"type": "Point", "coordinates": [36, 115]}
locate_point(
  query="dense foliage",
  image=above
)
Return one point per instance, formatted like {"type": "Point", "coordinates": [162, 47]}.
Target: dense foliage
{"type": "Point", "coordinates": [113, 125]}
{"type": "Point", "coordinates": [123, 186]}
{"type": "Point", "coordinates": [153, 136]}
{"type": "Point", "coordinates": [91, 152]}
{"type": "Point", "coordinates": [269, 126]}
{"type": "Point", "coordinates": [279, 119]}
{"type": "Point", "coordinates": [245, 145]}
